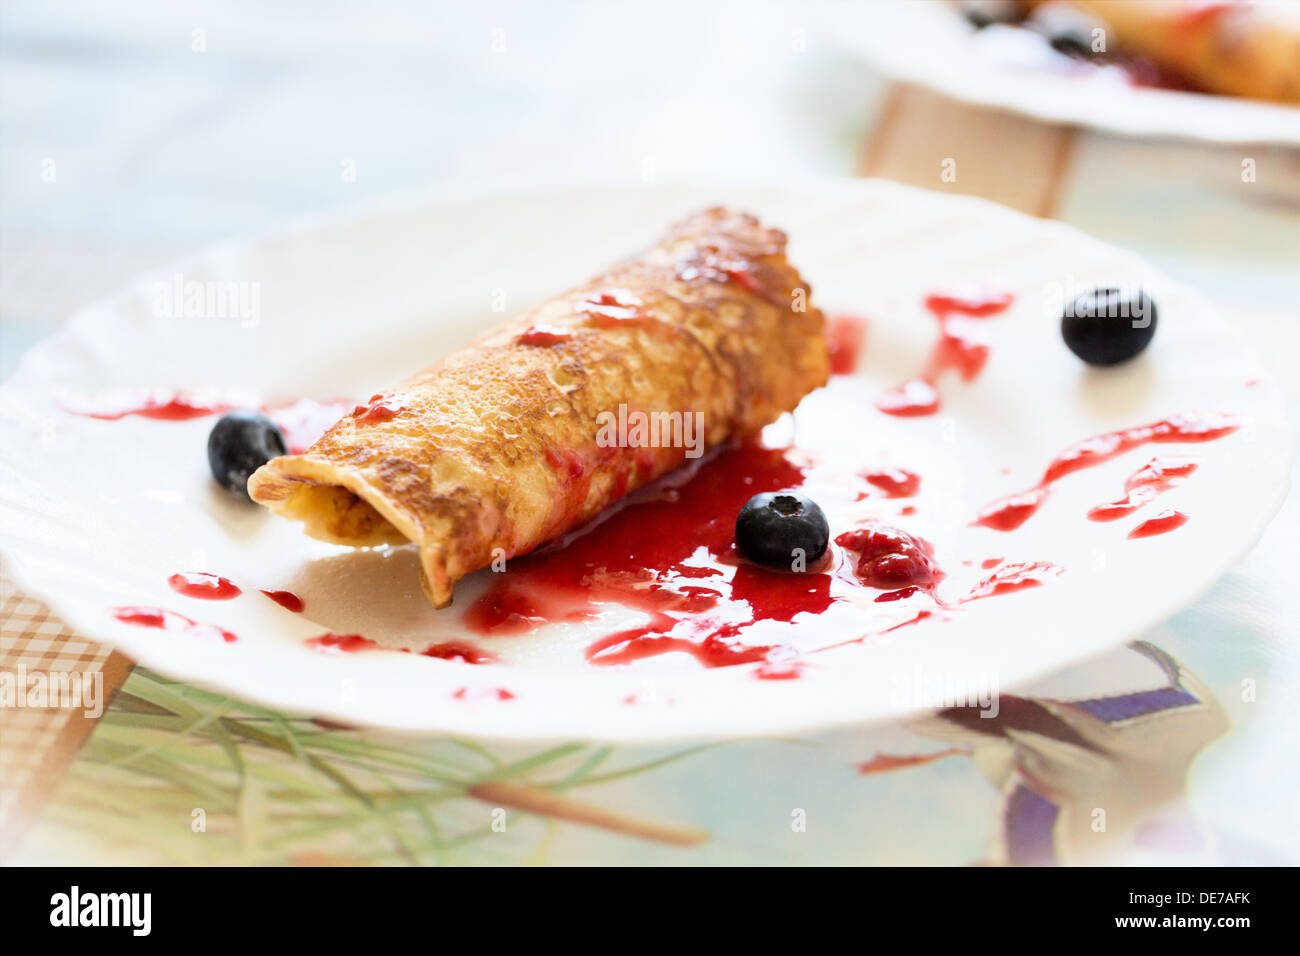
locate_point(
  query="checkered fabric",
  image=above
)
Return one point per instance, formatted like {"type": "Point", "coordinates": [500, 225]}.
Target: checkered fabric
{"type": "Point", "coordinates": [38, 743]}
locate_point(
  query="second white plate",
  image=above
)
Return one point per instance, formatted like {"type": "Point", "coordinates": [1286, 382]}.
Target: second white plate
{"type": "Point", "coordinates": [932, 45]}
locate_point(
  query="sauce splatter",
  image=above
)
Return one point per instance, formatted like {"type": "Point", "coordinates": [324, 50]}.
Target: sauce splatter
{"type": "Point", "coordinates": [844, 337]}
{"type": "Point", "coordinates": [476, 693]}
{"type": "Point", "coordinates": [780, 670]}
{"type": "Point", "coordinates": [1156, 476]}
{"type": "Point", "coordinates": [962, 347]}
{"type": "Point", "coordinates": [1009, 513]}
{"type": "Point", "coordinates": [172, 622]}
{"type": "Point", "coordinates": [303, 421]}
{"type": "Point", "coordinates": [1162, 523]}
{"type": "Point", "coordinates": [614, 308]}
{"type": "Point", "coordinates": [286, 599]}
{"type": "Point", "coordinates": [459, 651]}
{"type": "Point", "coordinates": [1014, 577]}
{"type": "Point", "coordinates": [380, 408]}
{"type": "Point", "coordinates": [165, 404]}
{"type": "Point", "coordinates": [206, 587]}
{"type": "Point", "coordinates": [543, 335]}
{"type": "Point", "coordinates": [331, 643]}
{"type": "Point", "coordinates": [894, 482]}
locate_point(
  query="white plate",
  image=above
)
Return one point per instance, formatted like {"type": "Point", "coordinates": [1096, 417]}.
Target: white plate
{"type": "Point", "coordinates": [98, 514]}
{"type": "Point", "coordinates": [931, 44]}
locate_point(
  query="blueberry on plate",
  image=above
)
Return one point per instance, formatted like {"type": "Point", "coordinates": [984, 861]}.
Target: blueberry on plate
{"type": "Point", "coordinates": [1067, 30]}
{"type": "Point", "coordinates": [240, 443]}
{"type": "Point", "coordinates": [783, 530]}
{"type": "Point", "coordinates": [1107, 326]}
{"type": "Point", "coordinates": [983, 13]}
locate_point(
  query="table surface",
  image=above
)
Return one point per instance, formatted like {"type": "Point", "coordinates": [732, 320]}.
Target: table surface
{"type": "Point", "coordinates": [136, 135]}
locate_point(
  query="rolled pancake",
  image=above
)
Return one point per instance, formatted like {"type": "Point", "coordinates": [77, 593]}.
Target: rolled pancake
{"type": "Point", "coordinates": [507, 443]}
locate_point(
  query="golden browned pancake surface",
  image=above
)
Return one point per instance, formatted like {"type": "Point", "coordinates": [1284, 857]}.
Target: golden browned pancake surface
{"type": "Point", "coordinates": [505, 444]}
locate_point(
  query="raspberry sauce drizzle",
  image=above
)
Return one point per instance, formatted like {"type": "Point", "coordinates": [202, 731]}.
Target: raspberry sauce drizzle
{"type": "Point", "coordinates": [206, 587]}
{"type": "Point", "coordinates": [1162, 523]}
{"type": "Point", "coordinates": [303, 421]}
{"type": "Point", "coordinates": [380, 408]}
{"type": "Point", "coordinates": [1013, 577]}
{"type": "Point", "coordinates": [614, 308]}
{"type": "Point", "coordinates": [462, 651]}
{"type": "Point", "coordinates": [543, 335]}
{"type": "Point", "coordinates": [844, 337]}
{"type": "Point", "coordinates": [894, 482]}
{"type": "Point", "coordinates": [478, 693]}
{"type": "Point", "coordinates": [172, 622]}
{"type": "Point", "coordinates": [670, 555]}
{"type": "Point", "coordinates": [286, 599]}
{"type": "Point", "coordinates": [1009, 513]}
{"type": "Point", "coordinates": [164, 404]}
{"type": "Point", "coordinates": [1156, 476]}
{"type": "Point", "coordinates": [780, 670]}
{"type": "Point", "coordinates": [331, 643]}
{"type": "Point", "coordinates": [716, 267]}
{"type": "Point", "coordinates": [961, 347]}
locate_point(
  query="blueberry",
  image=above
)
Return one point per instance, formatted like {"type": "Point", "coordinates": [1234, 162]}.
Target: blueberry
{"type": "Point", "coordinates": [983, 13]}
{"type": "Point", "coordinates": [240, 443]}
{"type": "Point", "coordinates": [773, 528]}
{"type": "Point", "coordinates": [1066, 29]}
{"type": "Point", "coordinates": [1107, 326]}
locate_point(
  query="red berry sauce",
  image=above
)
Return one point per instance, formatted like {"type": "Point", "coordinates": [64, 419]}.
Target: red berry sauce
{"type": "Point", "coordinates": [172, 622]}
{"type": "Point", "coordinates": [844, 337]}
{"type": "Point", "coordinates": [459, 651]}
{"type": "Point", "coordinates": [614, 308]}
{"type": "Point", "coordinates": [961, 347]}
{"type": "Point", "coordinates": [286, 599]}
{"type": "Point", "coordinates": [380, 408]}
{"type": "Point", "coordinates": [543, 335]}
{"type": "Point", "coordinates": [780, 670]}
{"type": "Point", "coordinates": [207, 587]}
{"type": "Point", "coordinates": [165, 404]}
{"type": "Point", "coordinates": [303, 421]}
{"type": "Point", "coordinates": [1014, 577]}
{"type": "Point", "coordinates": [894, 482]}
{"type": "Point", "coordinates": [475, 693]}
{"type": "Point", "coordinates": [1009, 513]}
{"type": "Point", "coordinates": [1162, 523]}
{"type": "Point", "coordinates": [890, 559]}
{"type": "Point", "coordinates": [1156, 476]}
{"type": "Point", "coordinates": [671, 555]}
{"type": "Point", "coordinates": [330, 643]}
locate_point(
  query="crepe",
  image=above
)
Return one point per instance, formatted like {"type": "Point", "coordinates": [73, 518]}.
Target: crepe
{"type": "Point", "coordinates": [507, 443]}
{"type": "Point", "coordinates": [1237, 49]}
